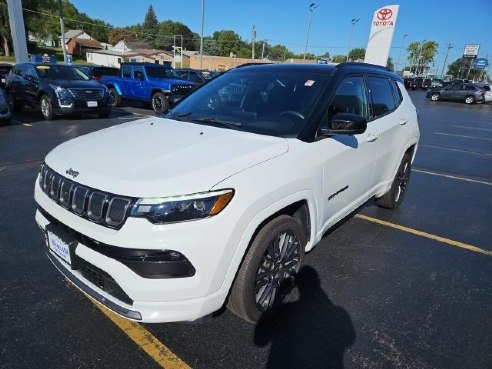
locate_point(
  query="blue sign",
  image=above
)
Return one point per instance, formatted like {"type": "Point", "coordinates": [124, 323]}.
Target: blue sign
{"type": "Point", "coordinates": [481, 63]}
{"type": "Point", "coordinates": [69, 59]}
{"type": "Point", "coordinates": [38, 58]}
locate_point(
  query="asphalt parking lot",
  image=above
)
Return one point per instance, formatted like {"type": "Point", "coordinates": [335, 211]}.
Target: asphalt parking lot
{"type": "Point", "coordinates": [410, 288]}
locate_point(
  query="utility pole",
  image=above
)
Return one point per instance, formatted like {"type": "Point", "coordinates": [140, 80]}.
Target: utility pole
{"type": "Point", "coordinates": [450, 46]}
{"type": "Point", "coordinates": [263, 49]}
{"type": "Point", "coordinates": [253, 39]}
{"type": "Point", "coordinates": [17, 30]}
{"type": "Point", "coordinates": [418, 57]}
{"type": "Point", "coordinates": [201, 35]}
{"type": "Point", "coordinates": [62, 27]}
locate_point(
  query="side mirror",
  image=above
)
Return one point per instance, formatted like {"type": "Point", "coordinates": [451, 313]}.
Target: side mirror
{"type": "Point", "coordinates": [345, 124]}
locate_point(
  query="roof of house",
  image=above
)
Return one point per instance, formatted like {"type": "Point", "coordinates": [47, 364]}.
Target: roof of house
{"type": "Point", "coordinates": [73, 33]}
{"type": "Point", "coordinates": [87, 43]}
{"type": "Point", "coordinates": [190, 53]}
{"type": "Point", "coordinates": [137, 45]}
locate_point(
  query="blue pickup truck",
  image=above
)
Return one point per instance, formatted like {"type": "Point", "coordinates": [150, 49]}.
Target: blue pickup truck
{"type": "Point", "coordinates": [157, 84]}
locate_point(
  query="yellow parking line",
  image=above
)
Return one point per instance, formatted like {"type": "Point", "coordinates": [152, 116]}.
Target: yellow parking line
{"type": "Point", "coordinates": [144, 339]}
{"type": "Point", "coordinates": [425, 234]}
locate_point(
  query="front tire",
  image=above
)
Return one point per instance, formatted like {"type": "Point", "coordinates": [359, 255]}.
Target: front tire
{"type": "Point", "coordinates": [46, 107]}
{"type": "Point", "coordinates": [114, 98]}
{"type": "Point", "coordinates": [267, 274]}
{"type": "Point", "coordinates": [395, 195]}
{"type": "Point", "coordinates": [160, 104]}
{"type": "Point", "coordinates": [469, 100]}
{"type": "Point", "coordinates": [435, 96]}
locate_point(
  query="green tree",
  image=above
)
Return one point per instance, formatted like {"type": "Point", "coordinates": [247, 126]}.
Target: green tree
{"type": "Point", "coordinates": [421, 54]}
{"type": "Point", "coordinates": [278, 52]}
{"type": "Point", "coordinates": [150, 27]}
{"type": "Point", "coordinates": [339, 58]}
{"type": "Point", "coordinates": [460, 67]}
{"type": "Point", "coordinates": [210, 46]}
{"type": "Point", "coordinates": [168, 29]}
{"type": "Point", "coordinates": [5, 37]}
{"type": "Point", "coordinates": [228, 42]}
{"type": "Point", "coordinates": [324, 56]}
{"type": "Point", "coordinates": [118, 34]}
{"type": "Point", "coordinates": [390, 65]}
{"type": "Point", "coordinates": [357, 54]}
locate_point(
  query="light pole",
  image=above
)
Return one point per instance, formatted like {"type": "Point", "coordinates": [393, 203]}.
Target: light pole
{"type": "Point", "coordinates": [420, 53]}
{"type": "Point", "coordinates": [201, 35]}
{"type": "Point", "coordinates": [450, 46]}
{"type": "Point", "coordinates": [399, 54]}
{"type": "Point", "coordinates": [312, 6]}
{"type": "Point", "coordinates": [354, 22]}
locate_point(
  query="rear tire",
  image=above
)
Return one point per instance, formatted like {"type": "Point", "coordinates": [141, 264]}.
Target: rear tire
{"type": "Point", "coordinates": [267, 274]}
{"type": "Point", "coordinates": [114, 98]}
{"type": "Point", "coordinates": [46, 107]}
{"type": "Point", "coordinates": [469, 100]}
{"type": "Point", "coordinates": [160, 104]}
{"type": "Point", "coordinates": [393, 198]}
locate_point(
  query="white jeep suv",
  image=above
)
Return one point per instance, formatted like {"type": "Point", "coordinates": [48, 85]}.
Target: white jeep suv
{"type": "Point", "coordinates": [169, 218]}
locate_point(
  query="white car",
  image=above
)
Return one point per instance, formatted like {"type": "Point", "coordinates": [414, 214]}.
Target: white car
{"type": "Point", "coordinates": [488, 92]}
{"type": "Point", "coordinates": [168, 219]}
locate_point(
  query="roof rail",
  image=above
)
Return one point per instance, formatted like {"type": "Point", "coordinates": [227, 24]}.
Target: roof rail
{"type": "Point", "coordinates": [354, 64]}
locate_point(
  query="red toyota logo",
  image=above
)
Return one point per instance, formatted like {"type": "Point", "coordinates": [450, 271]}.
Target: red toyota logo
{"type": "Point", "coordinates": [385, 14]}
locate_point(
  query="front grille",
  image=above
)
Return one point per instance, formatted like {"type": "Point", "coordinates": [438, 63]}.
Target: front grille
{"type": "Point", "coordinates": [100, 207]}
{"type": "Point", "coordinates": [182, 89]}
{"type": "Point", "coordinates": [87, 94]}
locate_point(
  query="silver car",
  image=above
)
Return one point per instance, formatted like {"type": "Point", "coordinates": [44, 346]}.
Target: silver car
{"type": "Point", "coordinates": [467, 92]}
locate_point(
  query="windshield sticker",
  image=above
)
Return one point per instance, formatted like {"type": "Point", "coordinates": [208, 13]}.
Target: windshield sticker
{"type": "Point", "coordinates": [309, 83]}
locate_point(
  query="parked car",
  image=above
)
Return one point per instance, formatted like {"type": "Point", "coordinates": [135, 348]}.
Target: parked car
{"type": "Point", "coordinates": [409, 83]}
{"type": "Point", "coordinates": [437, 83]}
{"type": "Point", "coordinates": [169, 219]}
{"type": "Point", "coordinates": [5, 115]}
{"type": "Point", "coordinates": [56, 89]}
{"type": "Point", "coordinates": [4, 71]}
{"type": "Point", "coordinates": [196, 76]}
{"type": "Point", "coordinates": [153, 83]}
{"type": "Point", "coordinates": [421, 83]}
{"type": "Point", "coordinates": [488, 91]}
{"type": "Point", "coordinates": [466, 92]}
{"type": "Point", "coordinates": [95, 72]}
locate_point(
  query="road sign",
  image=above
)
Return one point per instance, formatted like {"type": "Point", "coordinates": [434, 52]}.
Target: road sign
{"type": "Point", "coordinates": [471, 51]}
{"type": "Point", "coordinates": [481, 63]}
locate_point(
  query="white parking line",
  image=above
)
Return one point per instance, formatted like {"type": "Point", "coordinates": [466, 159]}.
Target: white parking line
{"type": "Point", "coordinates": [452, 177]}
{"type": "Point", "coordinates": [465, 151]}
{"type": "Point", "coordinates": [481, 129]}
{"type": "Point", "coordinates": [463, 136]}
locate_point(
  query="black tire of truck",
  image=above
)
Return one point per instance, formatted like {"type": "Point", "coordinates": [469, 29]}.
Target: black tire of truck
{"type": "Point", "coordinates": [160, 104]}
{"type": "Point", "coordinates": [114, 98]}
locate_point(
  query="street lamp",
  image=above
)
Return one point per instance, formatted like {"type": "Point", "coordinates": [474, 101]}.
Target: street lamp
{"type": "Point", "coordinates": [312, 7]}
{"type": "Point", "coordinates": [201, 36]}
{"type": "Point", "coordinates": [354, 22]}
{"type": "Point", "coordinates": [399, 54]}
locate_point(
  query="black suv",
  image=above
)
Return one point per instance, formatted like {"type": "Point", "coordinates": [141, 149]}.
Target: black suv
{"type": "Point", "coordinates": [95, 72]}
{"type": "Point", "coordinates": [196, 76]}
{"type": "Point", "coordinates": [55, 89]}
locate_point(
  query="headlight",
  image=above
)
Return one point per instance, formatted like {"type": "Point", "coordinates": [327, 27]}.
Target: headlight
{"type": "Point", "coordinates": [182, 208]}
{"type": "Point", "coordinates": [62, 93]}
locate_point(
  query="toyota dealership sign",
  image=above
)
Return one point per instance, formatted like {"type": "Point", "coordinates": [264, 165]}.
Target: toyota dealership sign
{"type": "Point", "coordinates": [471, 51]}
{"type": "Point", "coordinates": [382, 28]}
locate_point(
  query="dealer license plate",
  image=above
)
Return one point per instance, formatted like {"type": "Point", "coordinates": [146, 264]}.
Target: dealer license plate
{"type": "Point", "coordinates": [92, 104]}
{"type": "Point", "coordinates": [59, 247]}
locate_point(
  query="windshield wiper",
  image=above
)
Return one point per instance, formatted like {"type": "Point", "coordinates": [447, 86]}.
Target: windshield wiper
{"type": "Point", "coordinates": [217, 122]}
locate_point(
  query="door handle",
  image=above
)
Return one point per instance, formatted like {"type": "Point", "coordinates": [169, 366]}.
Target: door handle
{"type": "Point", "coordinates": [372, 137]}
{"type": "Point", "coordinates": [403, 122]}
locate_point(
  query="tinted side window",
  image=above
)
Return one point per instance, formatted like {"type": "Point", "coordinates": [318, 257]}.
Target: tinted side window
{"type": "Point", "coordinates": [126, 71]}
{"type": "Point", "coordinates": [396, 92]}
{"type": "Point", "coordinates": [138, 72]}
{"type": "Point", "coordinates": [382, 96]}
{"type": "Point", "coordinates": [350, 97]}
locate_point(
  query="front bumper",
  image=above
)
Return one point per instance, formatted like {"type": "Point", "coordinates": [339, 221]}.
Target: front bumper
{"type": "Point", "coordinates": [136, 297]}
{"type": "Point", "coordinates": [80, 106]}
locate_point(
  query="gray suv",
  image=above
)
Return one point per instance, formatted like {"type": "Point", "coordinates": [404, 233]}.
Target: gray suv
{"type": "Point", "coordinates": [468, 92]}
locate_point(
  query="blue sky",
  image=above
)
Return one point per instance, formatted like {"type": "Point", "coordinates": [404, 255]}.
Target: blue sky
{"type": "Point", "coordinates": [285, 22]}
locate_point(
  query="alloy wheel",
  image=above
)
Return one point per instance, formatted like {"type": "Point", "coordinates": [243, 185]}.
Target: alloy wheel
{"type": "Point", "coordinates": [402, 181]}
{"type": "Point", "coordinates": [277, 270]}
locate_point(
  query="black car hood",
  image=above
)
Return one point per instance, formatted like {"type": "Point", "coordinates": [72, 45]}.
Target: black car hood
{"type": "Point", "coordinates": [74, 84]}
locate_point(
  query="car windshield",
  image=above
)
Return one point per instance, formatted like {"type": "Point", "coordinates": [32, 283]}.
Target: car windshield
{"type": "Point", "coordinates": [206, 74]}
{"type": "Point", "coordinates": [60, 72]}
{"type": "Point", "coordinates": [271, 102]}
{"type": "Point", "coordinates": [160, 72]}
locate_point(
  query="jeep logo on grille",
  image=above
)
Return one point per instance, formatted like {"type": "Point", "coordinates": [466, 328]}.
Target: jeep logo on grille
{"type": "Point", "coordinates": [88, 92]}
{"type": "Point", "coordinates": [72, 173]}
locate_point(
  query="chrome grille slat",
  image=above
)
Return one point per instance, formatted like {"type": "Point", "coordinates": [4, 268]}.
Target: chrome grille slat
{"type": "Point", "coordinates": [181, 89]}
{"type": "Point", "coordinates": [101, 207]}
{"type": "Point", "coordinates": [87, 94]}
